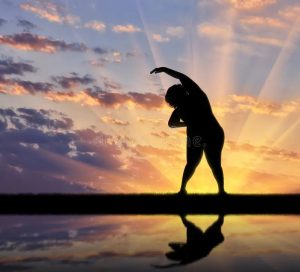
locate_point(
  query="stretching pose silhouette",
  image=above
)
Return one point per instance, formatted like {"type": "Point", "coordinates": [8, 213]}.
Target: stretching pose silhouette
{"type": "Point", "coordinates": [204, 133]}
{"type": "Point", "coordinates": [198, 243]}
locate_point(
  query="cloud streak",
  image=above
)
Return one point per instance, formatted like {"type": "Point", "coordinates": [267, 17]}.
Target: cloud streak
{"type": "Point", "coordinates": [159, 38]}
{"type": "Point", "coordinates": [251, 4]}
{"type": "Point", "coordinates": [290, 12]}
{"type": "Point", "coordinates": [26, 25]}
{"type": "Point", "coordinates": [269, 152]}
{"type": "Point", "coordinates": [265, 40]}
{"type": "Point", "coordinates": [114, 121]}
{"type": "Point", "coordinates": [38, 43]}
{"type": "Point", "coordinates": [175, 31]}
{"type": "Point", "coordinates": [50, 11]}
{"type": "Point", "coordinates": [215, 31]}
{"type": "Point", "coordinates": [43, 118]}
{"type": "Point", "coordinates": [2, 22]}
{"type": "Point", "coordinates": [74, 80]}
{"type": "Point", "coordinates": [16, 86]}
{"type": "Point", "coordinates": [98, 97]}
{"type": "Point", "coordinates": [263, 22]}
{"type": "Point", "coordinates": [129, 28]}
{"type": "Point", "coordinates": [9, 67]}
{"type": "Point", "coordinates": [95, 25]}
{"type": "Point", "coordinates": [20, 87]}
{"type": "Point", "coordinates": [110, 99]}
{"type": "Point", "coordinates": [247, 103]}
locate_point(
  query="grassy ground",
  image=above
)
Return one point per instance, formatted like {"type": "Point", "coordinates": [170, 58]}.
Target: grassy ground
{"type": "Point", "coordinates": [148, 204]}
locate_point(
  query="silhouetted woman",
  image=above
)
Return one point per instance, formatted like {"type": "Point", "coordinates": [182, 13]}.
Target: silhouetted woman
{"type": "Point", "coordinates": [204, 133]}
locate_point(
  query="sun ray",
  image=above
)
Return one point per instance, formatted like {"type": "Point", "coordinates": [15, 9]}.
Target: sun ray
{"type": "Point", "coordinates": [257, 160]}
{"type": "Point", "coordinates": [277, 67]}
{"type": "Point", "coordinates": [156, 56]}
{"type": "Point", "coordinates": [225, 67]}
{"type": "Point", "coordinates": [266, 89]}
{"type": "Point", "coordinates": [288, 47]}
{"type": "Point", "coordinates": [285, 134]}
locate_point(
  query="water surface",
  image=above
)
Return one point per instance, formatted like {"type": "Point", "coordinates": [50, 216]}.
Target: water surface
{"type": "Point", "coordinates": [149, 243]}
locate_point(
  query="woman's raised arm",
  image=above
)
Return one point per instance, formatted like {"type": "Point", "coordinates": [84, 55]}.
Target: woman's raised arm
{"type": "Point", "coordinates": [169, 72]}
{"type": "Point", "coordinates": [191, 86]}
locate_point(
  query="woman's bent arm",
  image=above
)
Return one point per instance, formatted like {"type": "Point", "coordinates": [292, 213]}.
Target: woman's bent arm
{"type": "Point", "coordinates": [174, 120]}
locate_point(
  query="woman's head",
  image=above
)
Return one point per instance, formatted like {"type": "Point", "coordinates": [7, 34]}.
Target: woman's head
{"type": "Point", "coordinates": [175, 95]}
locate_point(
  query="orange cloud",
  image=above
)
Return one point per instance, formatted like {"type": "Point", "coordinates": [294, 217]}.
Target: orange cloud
{"type": "Point", "coordinates": [160, 38]}
{"type": "Point", "coordinates": [244, 103]}
{"type": "Point", "coordinates": [263, 22]}
{"type": "Point", "coordinates": [160, 134]}
{"type": "Point", "coordinates": [117, 57]}
{"type": "Point", "coordinates": [126, 28]}
{"type": "Point", "coordinates": [50, 11]}
{"type": "Point", "coordinates": [109, 99]}
{"type": "Point", "coordinates": [214, 30]}
{"type": "Point", "coordinates": [265, 40]}
{"type": "Point", "coordinates": [80, 97]}
{"type": "Point", "coordinates": [175, 31]}
{"type": "Point", "coordinates": [149, 120]}
{"type": "Point", "coordinates": [14, 89]}
{"type": "Point", "coordinates": [290, 12]}
{"type": "Point", "coordinates": [251, 4]}
{"type": "Point", "coordinates": [20, 87]}
{"type": "Point", "coordinates": [114, 121]}
{"type": "Point", "coordinates": [268, 152]}
{"type": "Point", "coordinates": [95, 25]}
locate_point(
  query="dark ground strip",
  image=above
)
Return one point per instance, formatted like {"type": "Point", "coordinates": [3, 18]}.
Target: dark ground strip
{"type": "Point", "coordinates": [148, 204]}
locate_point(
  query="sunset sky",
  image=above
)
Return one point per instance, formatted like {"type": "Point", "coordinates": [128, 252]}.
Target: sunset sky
{"type": "Point", "coordinates": [79, 111]}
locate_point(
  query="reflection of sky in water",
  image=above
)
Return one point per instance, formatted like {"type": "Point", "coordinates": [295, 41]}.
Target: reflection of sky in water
{"type": "Point", "coordinates": [135, 243]}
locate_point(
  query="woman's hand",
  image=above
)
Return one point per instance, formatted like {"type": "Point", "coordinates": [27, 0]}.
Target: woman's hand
{"type": "Point", "coordinates": [158, 70]}
{"type": "Point", "coordinates": [169, 72]}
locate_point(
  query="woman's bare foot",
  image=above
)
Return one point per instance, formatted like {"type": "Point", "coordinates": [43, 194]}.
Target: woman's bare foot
{"type": "Point", "coordinates": [222, 193]}
{"type": "Point", "coordinates": [182, 192]}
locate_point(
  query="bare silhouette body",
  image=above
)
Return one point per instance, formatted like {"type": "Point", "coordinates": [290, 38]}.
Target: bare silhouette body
{"type": "Point", "coordinates": [198, 243]}
{"type": "Point", "coordinates": [204, 133]}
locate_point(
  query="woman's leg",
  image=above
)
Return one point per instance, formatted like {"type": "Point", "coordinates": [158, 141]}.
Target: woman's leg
{"type": "Point", "coordinates": [213, 152]}
{"type": "Point", "coordinates": [193, 156]}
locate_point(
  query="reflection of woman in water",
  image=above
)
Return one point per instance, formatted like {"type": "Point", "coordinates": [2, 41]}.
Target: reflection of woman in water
{"type": "Point", "coordinates": [198, 243]}
{"type": "Point", "coordinates": [193, 110]}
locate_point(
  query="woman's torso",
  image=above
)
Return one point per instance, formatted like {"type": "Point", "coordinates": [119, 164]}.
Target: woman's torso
{"type": "Point", "coordinates": [198, 117]}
